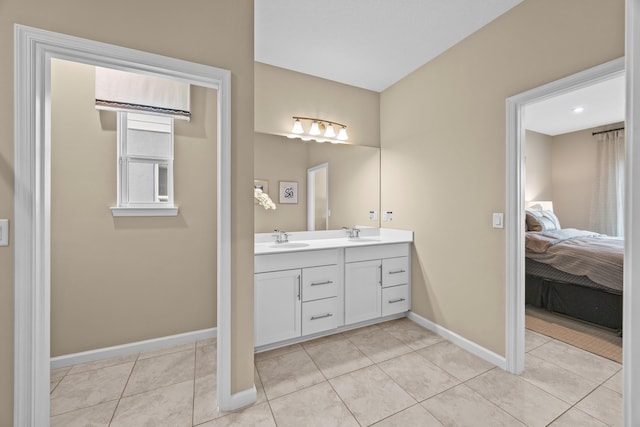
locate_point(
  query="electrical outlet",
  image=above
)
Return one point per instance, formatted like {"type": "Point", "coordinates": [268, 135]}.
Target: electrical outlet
{"type": "Point", "coordinates": [387, 216]}
{"type": "Point", "coordinates": [373, 215]}
{"type": "Point", "coordinates": [4, 232]}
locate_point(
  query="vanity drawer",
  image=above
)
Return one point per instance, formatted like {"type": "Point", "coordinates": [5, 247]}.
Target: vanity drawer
{"type": "Point", "coordinates": [320, 315]}
{"type": "Point", "coordinates": [395, 299]}
{"type": "Point", "coordinates": [395, 271]}
{"type": "Point", "coordinates": [319, 282]}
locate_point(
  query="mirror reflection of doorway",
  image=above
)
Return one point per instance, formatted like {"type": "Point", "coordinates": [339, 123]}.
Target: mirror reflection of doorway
{"type": "Point", "coordinates": [318, 197]}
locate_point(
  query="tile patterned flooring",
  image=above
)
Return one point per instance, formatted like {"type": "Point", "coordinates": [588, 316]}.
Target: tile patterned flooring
{"type": "Point", "coordinates": [392, 374]}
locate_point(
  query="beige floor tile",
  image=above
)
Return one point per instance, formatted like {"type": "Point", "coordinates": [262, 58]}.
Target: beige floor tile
{"type": "Point", "coordinates": [277, 352]}
{"type": "Point", "coordinates": [168, 406]}
{"type": "Point", "coordinates": [379, 345]}
{"type": "Point", "coordinates": [323, 340]}
{"type": "Point", "coordinates": [161, 371]}
{"type": "Point", "coordinates": [462, 407]}
{"type": "Point", "coordinates": [417, 376]}
{"type": "Point", "coordinates": [260, 395]}
{"type": "Point", "coordinates": [90, 388]}
{"type": "Point", "coordinates": [573, 359]}
{"type": "Point", "coordinates": [518, 397]}
{"type": "Point", "coordinates": [314, 406]}
{"type": "Point", "coordinates": [371, 395]}
{"type": "Point", "coordinates": [53, 383]}
{"type": "Point", "coordinates": [94, 416]}
{"type": "Point", "coordinates": [205, 405]}
{"type": "Point", "coordinates": [166, 350]}
{"type": "Point", "coordinates": [455, 360]}
{"type": "Point", "coordinates": [415, 416]}
{"type": "Point", "coordinates": [603, 404]}
{"type": "Point", "coordinates": [338, 357]}
{"type": "Point", "coordinates": [360, 330]}
{"type": "Point", "coordinates": [103, 363]}
{"type": "Point", "coordinates": [58, 373]}
{"type": "Point", "coordinates": [557, 381]}
{"type": "Point", "coordinates": [412, 334]}
{"type": "Point", "coordinates": [575, 417]}
{"type": "Point", "coordinates": [208, 341]}
{"type": "Point", "coordinates": [289, 372]}
{"type": "Point", "coordinates": [534, 339]}
{"type": "Point", "coordinates": [206, 360]}
{"type": "Point", "coordinates": [615, 382]}
{"type": "Point", "coordinates": [256, 416]}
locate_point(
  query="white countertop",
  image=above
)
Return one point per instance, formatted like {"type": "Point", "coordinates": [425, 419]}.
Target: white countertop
{"type": "Point", "coordinates": [316, 240]}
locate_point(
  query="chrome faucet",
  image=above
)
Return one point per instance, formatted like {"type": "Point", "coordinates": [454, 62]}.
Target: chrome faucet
{"type": "Point", "coordinates": [281, 236]}
{"type": "Point", "coordinates": [354, 233]}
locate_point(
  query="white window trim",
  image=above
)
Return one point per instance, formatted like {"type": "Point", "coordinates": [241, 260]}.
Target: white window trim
{"type": "Point", "coordinates": [126, 208]}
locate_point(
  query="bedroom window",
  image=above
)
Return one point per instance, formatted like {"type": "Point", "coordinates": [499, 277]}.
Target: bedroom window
{"type": "Point", "coordinates": [145, 165]}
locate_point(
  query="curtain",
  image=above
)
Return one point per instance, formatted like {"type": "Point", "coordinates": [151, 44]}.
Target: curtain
{"type": "Point", "coordinates": [607, 207]}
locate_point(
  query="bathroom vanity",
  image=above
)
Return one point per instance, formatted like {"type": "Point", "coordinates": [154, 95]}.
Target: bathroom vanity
{"type": "Point", "coordinates": [318, 283]}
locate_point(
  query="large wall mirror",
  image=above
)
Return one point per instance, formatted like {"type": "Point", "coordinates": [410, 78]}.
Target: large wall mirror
{"type": "Point", "coordinates": [344, 180]}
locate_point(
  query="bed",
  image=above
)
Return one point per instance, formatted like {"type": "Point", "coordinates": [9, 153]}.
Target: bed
{"type": "Point", "coordinates": [573, 272]}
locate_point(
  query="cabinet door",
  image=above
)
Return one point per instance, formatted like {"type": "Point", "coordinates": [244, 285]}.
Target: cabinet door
{"type": "Point", "coordinates": [362, 291]}
{"type": "Point", "coordinates": [277, 306]}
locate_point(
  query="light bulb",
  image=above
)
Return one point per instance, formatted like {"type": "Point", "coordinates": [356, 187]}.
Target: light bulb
{"type": "Point", "coordinates": [315, 129]}
{"type": "Point", "coordinates": [297, 127]}
{"type": "Point", "coordinates": [329, 131]}
{"type": "Point", "coordinates": [342, 134]}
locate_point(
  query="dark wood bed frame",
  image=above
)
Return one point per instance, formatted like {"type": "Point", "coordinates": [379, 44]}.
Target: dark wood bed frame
{"type": "Point", "coordinates": [592, 305]}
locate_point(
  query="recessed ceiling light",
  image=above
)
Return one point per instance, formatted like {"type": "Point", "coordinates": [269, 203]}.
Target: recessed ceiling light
{"type": "Point", "coordinates": [577, 110]}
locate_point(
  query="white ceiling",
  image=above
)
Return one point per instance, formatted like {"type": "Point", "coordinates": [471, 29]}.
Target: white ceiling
{"type": "Point", "coordinates": [603, 103]}
{"type": "Point", "coordinates": [365, 43]}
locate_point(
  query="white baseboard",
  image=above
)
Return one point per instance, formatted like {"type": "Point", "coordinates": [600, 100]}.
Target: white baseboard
{"type": "Point", "coordinates": [241, 399]}
{"type": "Point", "coordinates": [460, 341]}
{"type": "Point", "coordinates": [132, 348]}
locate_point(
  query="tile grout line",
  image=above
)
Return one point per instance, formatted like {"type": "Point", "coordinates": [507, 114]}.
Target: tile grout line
{"type": "Point", "coordinates": [135, 362]}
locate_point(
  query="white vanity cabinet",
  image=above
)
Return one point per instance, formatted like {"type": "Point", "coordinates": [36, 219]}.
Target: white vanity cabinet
{"type": "Point", "coordinates": [376, 281]}
{"type": "Point", "coordinates": [296, 294]}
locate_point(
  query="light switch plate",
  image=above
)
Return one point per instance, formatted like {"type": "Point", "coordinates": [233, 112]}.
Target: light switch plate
{"type": "Point", "coordinates": [387, 216]}
{"type": "Point", "coordinates": [498, 220]}
{"type": "Point", "coordinates": [4, 232]}
{"type": "Point", "coordinates": [373, 215]}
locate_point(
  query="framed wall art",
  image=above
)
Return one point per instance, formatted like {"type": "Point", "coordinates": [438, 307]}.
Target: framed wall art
{"type": "Point", "coordinates": [289, 192]}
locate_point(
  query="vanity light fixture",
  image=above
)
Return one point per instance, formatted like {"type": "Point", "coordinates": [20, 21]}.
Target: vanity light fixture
{"type": "Point", "coordinates": [319, 131]}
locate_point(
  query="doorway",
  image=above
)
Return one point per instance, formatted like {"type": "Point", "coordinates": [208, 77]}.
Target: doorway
{"type": "Point", "coordinates": [33, 54]}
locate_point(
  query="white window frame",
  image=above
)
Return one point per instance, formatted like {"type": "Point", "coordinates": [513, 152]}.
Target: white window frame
{"type": "Point", "coordinates": [155, 123]}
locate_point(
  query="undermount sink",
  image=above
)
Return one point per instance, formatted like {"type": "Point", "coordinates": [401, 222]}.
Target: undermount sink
{"type": "Point", "coordinates": [289, 245]}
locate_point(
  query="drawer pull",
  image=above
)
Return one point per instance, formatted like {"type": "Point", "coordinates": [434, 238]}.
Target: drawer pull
{"type": "Point", "coordinates": [397, 271]}
{"type": "Point", "coordinates": [391, 301]}
{"type": "Point", "coordinates": [321, 316]}
{"type": "Point", "coordinates": [328, 282]}
{"type": "Point", "coordinates": [299, 287]}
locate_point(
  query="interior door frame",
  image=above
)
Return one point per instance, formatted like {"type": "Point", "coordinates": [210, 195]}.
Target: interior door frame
{"type": "Point", "coordinates": [311, 197]}
{"type": "Point", "coordinates": [33, 51]}
{"type": "Point", "coordinates": [631, 336]}
{"type": "Point", "coordinates": [514, 218]}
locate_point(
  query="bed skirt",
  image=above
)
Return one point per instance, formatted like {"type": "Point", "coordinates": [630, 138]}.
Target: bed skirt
{"type": "Point", "coordinates": [592, 305]}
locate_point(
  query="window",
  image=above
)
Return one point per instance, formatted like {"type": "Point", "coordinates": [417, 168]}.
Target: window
{"type": "Point", "coordinates": [145, 165]}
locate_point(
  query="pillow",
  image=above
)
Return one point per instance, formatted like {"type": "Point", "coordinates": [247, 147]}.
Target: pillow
{"type": "Point", "coordinates": [538, 220]}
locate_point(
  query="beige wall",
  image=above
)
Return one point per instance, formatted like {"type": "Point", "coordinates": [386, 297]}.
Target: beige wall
{"type": "Point", "coordinates": [212, 32]}
{"type": "Point", "coordinates": [443, 151]}
{"type": "Point", "coordinates": [354, 181]}
{"type": "Point", "coordinates": [120, 280]}
{"type": "Point", "coordinates": [538, 166]}
{"type": "Point", "coordinates": [281, 94]}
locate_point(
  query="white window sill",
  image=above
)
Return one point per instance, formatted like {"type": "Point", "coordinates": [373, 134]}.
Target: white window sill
{"type": "Point", "coordinates": [155, 211]}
